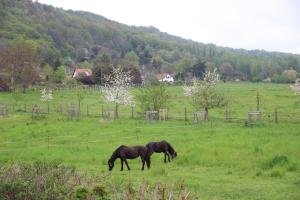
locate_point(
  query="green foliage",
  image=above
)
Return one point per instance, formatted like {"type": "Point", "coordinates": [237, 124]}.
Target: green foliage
{"type": "Point", "coordinates": [81, 193]}
{"type": "Point", "coordinates": [60, 74]}
{"type": "Point", "coordinates": [199, 68]}
{"type": "Point", "coordinates": [100, 191]}
{"type": "Point", "coordinates": [279, 160]}
{"type": "Point", "coordinates": [59, 34]}
{"type": "Point", "coordinates": [132, 58]}
{"type": "Point", "coordinates": [153, 97]}
{"type": "Point", "coordinates": [39, 180]}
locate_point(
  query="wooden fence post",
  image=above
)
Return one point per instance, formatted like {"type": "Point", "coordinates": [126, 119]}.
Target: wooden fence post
{"type": "Point", "coordinates": [226, 114]}
{"type": "Point", "coordinates": [257, 100]}
{"type": "Point", "coordinates": [132, 112]}
{"type": "Point", "coordinates": [196, 118]}
{"type": "Point", "coordinates": [276, 116]}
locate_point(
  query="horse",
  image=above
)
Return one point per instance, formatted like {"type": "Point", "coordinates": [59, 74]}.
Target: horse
{"type": "Point", "coordinates": [162, 146]}
{"type": "Point", "coordinates": [123, 152]}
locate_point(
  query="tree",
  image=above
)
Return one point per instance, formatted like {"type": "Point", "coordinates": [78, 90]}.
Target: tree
{"type": "Point", "coordinates": [60, 74]}
{"type": "Point", "coordinates": [184, 65]}
{"type": "Point", "coordinates": [226, 71]}
{"type": "Point", "coordinates": [199, 69]}
{"type": "Point", "coordinates": [47, 97]}
{"type": "Point", "coordinates": [20, 62]}
{"type": "Point", "coordinates": [153, 97]}
{"type": "Point", "coordinates": [132, 58]}
{"type": "Point", "coordinates": [117, 89]}
{"type": "Point", "coordinates": [290, 74]}
{"type": "Point", "coordinates": [204, 93]}
{"type": "Point", "coordinates": [102, 69]}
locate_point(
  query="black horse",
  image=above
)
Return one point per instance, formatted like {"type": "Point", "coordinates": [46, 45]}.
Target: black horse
{"type": "Point", "coordinates": [162, 146]}
{"type": "Point", "coordinates": [124, 152]}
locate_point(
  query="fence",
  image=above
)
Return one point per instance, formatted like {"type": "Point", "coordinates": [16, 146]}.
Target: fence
{"type": "Point", "coordinates": [107, 112]}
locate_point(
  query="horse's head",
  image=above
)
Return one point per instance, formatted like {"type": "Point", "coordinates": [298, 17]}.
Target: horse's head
{"type": "Point", "coordinates": [110, 164]}
{"type": "Point", "coordinates": [174, 155]}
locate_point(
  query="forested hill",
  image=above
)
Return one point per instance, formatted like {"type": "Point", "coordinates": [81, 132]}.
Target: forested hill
{"type": "Point", "coordinates": [68, 37]}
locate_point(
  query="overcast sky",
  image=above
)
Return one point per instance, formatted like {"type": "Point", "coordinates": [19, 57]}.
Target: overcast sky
{"type": "Point", "coordinates": [272, 25]}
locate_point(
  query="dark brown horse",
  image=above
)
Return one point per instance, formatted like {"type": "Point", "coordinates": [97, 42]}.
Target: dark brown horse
{"type": "Point", "coordinates": [162, 147]}
{"type": "Point", "coordinates": [124, 152]}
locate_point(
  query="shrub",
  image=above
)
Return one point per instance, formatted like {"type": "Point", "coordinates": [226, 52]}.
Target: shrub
{"type": "Point", "coordinates": [81, 193]}
{"type": "Point", "coordinates": [279, 160]}
{"type": "Point", "coordinates": [100, 191]}
{"type": "Point", "coordinates": [41, 180]}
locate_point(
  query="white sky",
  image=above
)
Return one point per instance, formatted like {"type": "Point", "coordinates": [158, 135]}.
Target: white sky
{"type": "Point", "coordinates": [272, 25]}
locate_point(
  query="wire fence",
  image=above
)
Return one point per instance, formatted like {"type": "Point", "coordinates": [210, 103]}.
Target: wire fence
{"type": "Point", "coordinates": [108, 112]}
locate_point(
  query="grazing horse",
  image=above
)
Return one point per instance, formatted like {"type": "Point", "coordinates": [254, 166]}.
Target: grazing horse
{"type": "Point", "coordinates": [124, 152]}
{"type": "Point", "coordinates": [162, 146]}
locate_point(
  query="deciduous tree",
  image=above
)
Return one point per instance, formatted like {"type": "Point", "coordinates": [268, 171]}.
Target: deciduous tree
{"type": "Point", "coordinates": [204, 93]}
{"type": "Point", "coordinates": [117, 89]}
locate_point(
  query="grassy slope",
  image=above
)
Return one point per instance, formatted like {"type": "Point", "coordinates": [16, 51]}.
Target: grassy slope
{"type": "Point", "coordinates": [217, 160]}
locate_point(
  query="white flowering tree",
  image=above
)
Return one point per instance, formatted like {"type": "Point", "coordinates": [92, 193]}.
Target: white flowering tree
{"type": "Point", "coordinates": [204, 93]}
{"type": "Point", "coordinates": [118, 88]}
{"type": "Point", "coordinates": [46, 96]}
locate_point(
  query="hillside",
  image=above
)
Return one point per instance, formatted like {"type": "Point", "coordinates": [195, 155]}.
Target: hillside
{"type": "Point", "coordinates": [68, 37]}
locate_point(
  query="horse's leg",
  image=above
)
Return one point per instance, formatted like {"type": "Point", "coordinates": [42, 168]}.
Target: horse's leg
{"type": "Point", "coordinates": [168, 157]}
{"type": "Point", "coordinates": [122, 164]}
{"type": "Point", "coordinates": [127, 164]}
{"type": "Point", "coordinates": [148, 161]}
{"type": "Point", "coordinates": [165, 157]}
{"type": "Point", "coordinates": [143, 161]}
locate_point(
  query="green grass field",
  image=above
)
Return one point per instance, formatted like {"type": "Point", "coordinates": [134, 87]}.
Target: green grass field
{"type": "Point", "coordinates": [216, 160]}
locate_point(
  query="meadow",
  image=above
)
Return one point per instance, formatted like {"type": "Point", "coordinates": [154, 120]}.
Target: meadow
{"type": "Point", "coordinates": [216, 160]}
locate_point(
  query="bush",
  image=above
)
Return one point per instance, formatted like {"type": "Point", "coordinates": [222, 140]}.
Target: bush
{"type": "Point", "coordinates": [279, 160]}
{"type": "Point", "coordinates": [81, 193]}
{"type": "Point", "coordinates": [51, 180]}
{"type": "Point", "coordinates": [44, 180]}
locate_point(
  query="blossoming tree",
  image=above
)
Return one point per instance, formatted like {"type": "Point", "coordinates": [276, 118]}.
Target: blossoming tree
{"type": "Point", "coordinates": [204, 93]}
{"type": "Point", "coordinates": [47, 97]}
{"type": "Point", "coordinates": [118, 88]}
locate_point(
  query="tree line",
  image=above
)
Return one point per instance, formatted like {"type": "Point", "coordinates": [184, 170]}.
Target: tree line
{"type": "Point", "coordinates": [82, 39]}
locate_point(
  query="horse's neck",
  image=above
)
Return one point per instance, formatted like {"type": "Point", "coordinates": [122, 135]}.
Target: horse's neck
{"type": "Point", "coordinates": [171, 150]}
{"type": "Point", "coordinates": [115, 155]}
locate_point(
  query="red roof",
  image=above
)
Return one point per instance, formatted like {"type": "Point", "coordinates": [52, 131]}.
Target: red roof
{"type": "Point", "coordinates": [87, 71]}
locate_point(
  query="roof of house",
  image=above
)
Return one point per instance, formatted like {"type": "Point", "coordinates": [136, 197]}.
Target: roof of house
{"type": "Point", "coordinates": [87, 71]}
{"type": "Point", "coordinates": [163, 75]}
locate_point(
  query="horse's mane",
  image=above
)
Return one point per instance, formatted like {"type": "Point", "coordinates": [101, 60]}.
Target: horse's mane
{"type": "Point", "coordinates": [171, 149]}
{"type": "Point", "coordinates": [116, 152]}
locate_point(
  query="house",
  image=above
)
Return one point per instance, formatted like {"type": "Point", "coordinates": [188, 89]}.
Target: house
{"type": "Point", "coordinates": [165, 77]}
{"type": "Point", "coordinates": [84, 75]}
